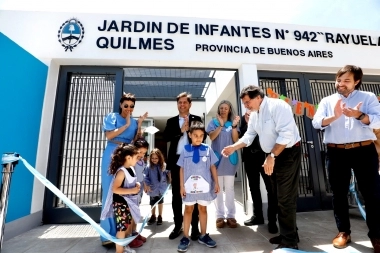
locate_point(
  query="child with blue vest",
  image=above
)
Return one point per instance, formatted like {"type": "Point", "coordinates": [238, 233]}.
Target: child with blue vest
{"type": "Point", "coordinates": [199, 183]}
{"type": "Point", "coordinates": [155, 183]}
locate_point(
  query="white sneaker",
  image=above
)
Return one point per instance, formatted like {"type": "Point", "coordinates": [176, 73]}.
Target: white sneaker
{"type": "Point", "coordinates": [127, 249]}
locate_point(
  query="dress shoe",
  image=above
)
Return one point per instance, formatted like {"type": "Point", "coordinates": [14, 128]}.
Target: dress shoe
{"type": "Point", "coordinates": [175, 233]}
{"type": "Point", "coordinates": [340, 241]}
{"type": "Point", "coordinates": [287, 246]}
{"type": "Point", "coordinates": [220, 223]}
{"type": "Point", "coordinates": [272, 227]}
{"type": "Point", "coordinates": [195, 235]}
{"type": "Point", "coordinates": [278, 239]}
{"type": "Point", "coordinates": [376, 245]}
{"type": "Point", "coordinates": [254, 221]}
{"type": "Point", "coordinates": [231, 222]}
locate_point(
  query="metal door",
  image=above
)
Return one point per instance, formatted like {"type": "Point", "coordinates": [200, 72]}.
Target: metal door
{"type": "Point", "coordinates": [314, 191]}
{"type": "Point", "coordinates": [312, 194]}
{"type": "Point", "coordinates": [84, 96]}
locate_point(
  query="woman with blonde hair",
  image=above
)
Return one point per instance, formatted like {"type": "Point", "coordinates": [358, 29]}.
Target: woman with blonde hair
{"type": "Point", "coordinates": [224, 131]}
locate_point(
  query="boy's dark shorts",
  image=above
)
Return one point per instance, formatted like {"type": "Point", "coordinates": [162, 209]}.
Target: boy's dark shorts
{"type": "Point", "coordinates": [154, 199]}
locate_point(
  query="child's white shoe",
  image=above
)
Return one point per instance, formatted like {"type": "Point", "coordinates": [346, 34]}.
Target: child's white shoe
{"type": "Point", "coordinates": [127, 249]}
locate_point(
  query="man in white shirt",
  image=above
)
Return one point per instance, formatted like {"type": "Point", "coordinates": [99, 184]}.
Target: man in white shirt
{"type": "Point", "coordinates": [272, 119]}
{"type": "Point", "coordinates": [349, 117]}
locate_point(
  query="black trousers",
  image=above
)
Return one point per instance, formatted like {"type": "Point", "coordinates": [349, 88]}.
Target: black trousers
{"type": "Point", "coordinates": [177, 202]}
{"type": "Point", "coordinates": [364, 161]}
{"type": "Point", "coordinates": [253, 168]}
{"type": "Point", "coordinates": [285, 183]}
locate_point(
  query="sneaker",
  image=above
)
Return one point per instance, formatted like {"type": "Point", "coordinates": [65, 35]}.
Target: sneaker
{"type": "Point", "coordinates": [152, 220]}
{"type": "Point", "coordinates": [128, 249]}
{"type": "Point", "coordinates": [139, 237]}
{"type": "Point", "coordinates": [159, 220]}
{"type": "Point", "coordinates": [220, 223]}
{"type": "Point", "coordinates": [107, 243]}
{"type": "Point", "coordinates": [184, 244]}
{"type": "Point", "coordinates": [135, 243]}
{"type": "Point", "coordinates": [206, 240]}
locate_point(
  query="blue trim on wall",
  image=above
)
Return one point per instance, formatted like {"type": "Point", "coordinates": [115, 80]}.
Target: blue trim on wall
{"type": "Point", "coordinates": [22, 89]}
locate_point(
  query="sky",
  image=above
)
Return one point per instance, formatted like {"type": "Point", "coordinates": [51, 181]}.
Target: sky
{"type": "Point", "coordinates": [350, 14]}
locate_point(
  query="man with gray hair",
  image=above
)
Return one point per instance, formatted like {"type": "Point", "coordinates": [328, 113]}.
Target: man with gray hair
{"type": "Point", "coordinates": [272, 119]}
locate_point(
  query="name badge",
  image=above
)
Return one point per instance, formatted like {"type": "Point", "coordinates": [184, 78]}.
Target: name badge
{"type": "Point", "coordinates": [204, 159]}
{"type": "Point", "coordinates": [196, 184]}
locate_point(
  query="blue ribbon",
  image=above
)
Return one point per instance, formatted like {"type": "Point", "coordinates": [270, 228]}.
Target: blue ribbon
{"type": "Point", "coordinates": [9, 158]}
{"type": "Point", "coordinates": [195, 149]}
{"type": "Point", "coordinates": [285, 250]}
{"type": "Point", "coordinates": [353, 191]}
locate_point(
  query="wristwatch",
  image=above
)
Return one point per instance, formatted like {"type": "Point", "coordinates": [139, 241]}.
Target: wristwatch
{"type": "Point", "coordinates": [361, 116]}
{"type": "Point", "coordinates": [272, 155]}
{"type": "Point", "coordinates": [234, 126]}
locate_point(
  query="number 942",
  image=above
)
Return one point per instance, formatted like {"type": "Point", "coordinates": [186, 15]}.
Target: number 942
{"type": "Point", "coordinates": [309, 36]}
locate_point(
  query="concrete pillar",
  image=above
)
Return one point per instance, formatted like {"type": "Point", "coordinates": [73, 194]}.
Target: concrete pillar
{"type": "Point", "coordinates": [248, 76]}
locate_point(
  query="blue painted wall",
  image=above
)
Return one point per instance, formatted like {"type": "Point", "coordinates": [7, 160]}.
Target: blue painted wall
{"type": "Point", "coordinates": [22, 88]}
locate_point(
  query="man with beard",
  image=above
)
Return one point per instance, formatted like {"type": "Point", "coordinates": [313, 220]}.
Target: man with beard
{"type": "Point", "coordinates": [348, 118]}
{"type": "Point", "coordinates": [176, 133]}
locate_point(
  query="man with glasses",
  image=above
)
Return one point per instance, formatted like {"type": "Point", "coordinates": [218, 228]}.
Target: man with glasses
{"type": "Point", "coordinates": [349, 117]}
{"type": "Point", "coordinates": [176, 133]}
{"type": "Point", "coordinates": [253, 158]}
{"type": "Point", "coordinates": [272, 119]}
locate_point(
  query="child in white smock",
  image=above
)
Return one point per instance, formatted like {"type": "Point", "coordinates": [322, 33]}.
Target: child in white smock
{"type": "Point", "coordinates": [199, 183]}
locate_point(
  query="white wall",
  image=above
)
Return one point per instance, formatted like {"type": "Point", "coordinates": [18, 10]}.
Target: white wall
{"type": "Point", "coordinates": [165, 109]}
{"type": "Point", "coordinates": [45, 46]}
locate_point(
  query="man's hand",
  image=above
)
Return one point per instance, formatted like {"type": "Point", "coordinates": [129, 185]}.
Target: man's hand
{"type": "Point", "coordinates": [338, 109]}
{"type": "Point", "coordinates": [246, 116]}
{"type": "Point", "coordinates": [185, 126]}
{"type": "Point", "coordinates": [228, 150]}
{"type": "Point", "coordinates": [353, 112]}
{"type": "Point", "coordinates": [268, 165]}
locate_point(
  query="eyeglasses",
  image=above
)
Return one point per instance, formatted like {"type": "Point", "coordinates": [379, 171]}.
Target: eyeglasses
{"type": "Point", "coordinates": [247, 102]}
{"type": "Point", "coordinates": [126, 106]}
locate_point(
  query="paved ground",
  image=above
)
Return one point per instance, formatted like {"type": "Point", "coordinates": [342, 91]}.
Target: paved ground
{"type": "Point", "coordinates": [316, 230]}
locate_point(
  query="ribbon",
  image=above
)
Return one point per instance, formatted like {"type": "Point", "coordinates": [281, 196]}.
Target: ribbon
{"type": "Point", "coordinates": [285, 250]}
{"type": "Point", "coordinates": [353, 191]}
{"type": "Point", "coordinates": [195, 150]}
{"type": "Point", "coordinates": [8, 158]}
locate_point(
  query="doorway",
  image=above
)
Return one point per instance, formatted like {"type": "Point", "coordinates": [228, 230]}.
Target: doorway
{"type": "Point", "coordinates": [86, 94]}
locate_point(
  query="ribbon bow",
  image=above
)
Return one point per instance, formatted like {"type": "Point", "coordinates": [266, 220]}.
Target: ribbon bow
{"type": "Point", "coordinates": [195, 150]}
